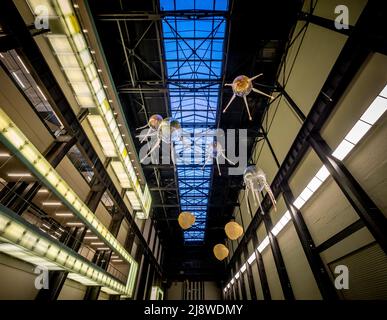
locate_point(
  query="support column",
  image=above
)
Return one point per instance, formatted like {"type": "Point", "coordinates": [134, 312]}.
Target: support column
{"type": "Point", "coordinates": [250, 278]}
{"type": "Point", "coordinates": [242, 282]}
{"type": "Point", "coordinates": [367, 210]}
{"type": "Point", "coordinates": [278, 259]}
{"type": "Point", "coordinates": [316, 264]}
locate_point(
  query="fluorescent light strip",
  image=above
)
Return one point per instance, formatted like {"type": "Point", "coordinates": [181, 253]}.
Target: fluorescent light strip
{"type": "Point", "coordinates": [4, 155]}
{"type": "Point", "coordinates": [18, 80]}
{"type": "Point", "coordinates": [40, 91]}
{"type": "Point", "coordinates": [263, 244]}
{"type": "Point", "coordinates": [90, 238]}
{"type": "Point", "coordinates": [22, 63]}
{"type": "Point", "coordinates": [74, 223]}
{"type": "Point", "coordinates": [251, 259]}
{"type": "Point", "coordinates": [51, 203]}
{"type": "Point", "coordinates": [64, 214]}
{"type": "Point", "coordinates": [19, 175]}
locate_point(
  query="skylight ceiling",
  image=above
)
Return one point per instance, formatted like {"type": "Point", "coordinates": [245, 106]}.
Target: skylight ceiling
{"type": "Point", "coordinates": [193, 44]}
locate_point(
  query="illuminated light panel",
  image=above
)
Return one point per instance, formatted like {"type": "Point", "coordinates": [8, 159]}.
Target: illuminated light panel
{"type": "Point", "coordinates": [322, 174]}
{"type": "Point", "coordinates": [263, 244]}
{"type": "Point", "coordinates": [19, 175]}
{"type": "Point", "coordinates": [306, 194]}
{"type": "Point", "coordinates": [51, 203]}
{"type": "Point", "coordinates": [358, 131]}
{"type": "Point", "coordinates": [299, 202]}
{"type": "Point", "coordinates": [251, 259]}
{"type": "Point", "coordinates": [343, 149]}
{"type": "Point", "coordinates": [133, 200]}
{"type": "Point", "coordinates": [121, 174]}
{"type": "Point", "coordinates": [103, 136]}
{"type": "Point", "coordinates": [64, 214]}
{"type": "Point", "coordinates": [375, 110]}
{"type": "Point", "coordinates": [18, 80]}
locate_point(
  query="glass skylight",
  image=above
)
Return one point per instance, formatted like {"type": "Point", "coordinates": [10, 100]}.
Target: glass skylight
{"type": "Point", "coordinates": [193, 46]}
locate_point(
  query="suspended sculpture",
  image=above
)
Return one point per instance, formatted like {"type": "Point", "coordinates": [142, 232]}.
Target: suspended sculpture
{"type": "Point", "coordinates": [167, 130]}
{"type": "Point", "coordinates": [255, 181]}
{"type": "Point", "coordinates": [153, 125]}
{"type": "Point", "coordinates": [215, 151]}
{"type": "Point", "coordinates": [186, 220]}
{"type": "Point", "coordinates": [241, 87]}
{"type": "Point", "coordinates": [233, 230]}
{"type": "Point", "coordinates": [220, 251]}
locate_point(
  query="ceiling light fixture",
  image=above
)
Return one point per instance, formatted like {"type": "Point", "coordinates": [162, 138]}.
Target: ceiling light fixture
{"type": "Point", "coordinates": [19, 175]}
{"type": "Point", "coordinates": [64, 214]}
{"type": "Point", "coordinates": [51, 203]}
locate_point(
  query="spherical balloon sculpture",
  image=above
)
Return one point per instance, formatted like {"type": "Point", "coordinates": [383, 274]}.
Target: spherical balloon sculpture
{"type": "Point", "coordinates": [186, 220]}
{"type": "Point", "coordinates": [233, 230]}
{"type": "Point", "coordinates": [220, 251]}
{"type": "Point", "coordinates": [241, 87]}
{"type": "Point", "coordinates": [255, 180]}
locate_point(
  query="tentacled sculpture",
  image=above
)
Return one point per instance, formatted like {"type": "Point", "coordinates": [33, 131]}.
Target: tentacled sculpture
{"type": "Point", "coordinates": [153, 125]}
{"type": "Point", "coordinates": [255, 181]}
{"type": "Point", "coordinates": [241, 87]}
{"type": "Point", "coordinates": [167, 130]}
{"type": "Point", "coordinates": [215, 151]}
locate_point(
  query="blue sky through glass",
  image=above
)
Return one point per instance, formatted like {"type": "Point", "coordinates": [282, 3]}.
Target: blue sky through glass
{"type": "Point", "coordinates": [194, 57]}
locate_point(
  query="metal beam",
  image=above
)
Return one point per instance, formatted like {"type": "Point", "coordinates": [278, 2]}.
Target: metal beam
{"type": "Point", "coordinates": [250, 278]}
{"type": "Point", "coordinates": [261, 269]}
{"type": "Point", "coordinates": [325, 23]}
{"type": "Point", "coordinates": [316, 264]}
{"type": "Point", "coordinates": [292, 104]}
{"type": "Point", "coordinates": [352, 228]}
{"type": "Point", "coordinates": [149, 16]}
{"type": "Point", "coordinates": [367, 210]}
{"type": "Point", "coordinates": [278, 259]}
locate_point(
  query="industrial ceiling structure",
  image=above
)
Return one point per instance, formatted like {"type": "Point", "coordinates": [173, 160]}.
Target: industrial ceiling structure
{"type": "Point", "coordinates": [173, 59]}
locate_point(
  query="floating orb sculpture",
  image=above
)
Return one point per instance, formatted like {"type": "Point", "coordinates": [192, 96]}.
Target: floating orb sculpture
{"type": "Point", "coordinates": [255, 181]}
{"type": "Point", "coordinates": [220, 251]}
{"type": "Point", "coordinates": [153, 125]}
{"type": "Point", "coordinates": [186, 220]}
{"type": "Point", "coordinates": [233, 230]}
{"type": "Point", "coordinates": [241, 87]}
{"type": "Point", "coordinates": [215, 151]}
{"type": "Point", "coordinates": [167, 130]}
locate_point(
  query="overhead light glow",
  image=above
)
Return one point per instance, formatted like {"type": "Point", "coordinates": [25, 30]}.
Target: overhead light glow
{"type": "Point", "coordinates": [103, 136]}
{"type": "Point", "coordinates": [64, 214]}
{"type": "Point", "coordinates": [51, 203]}
{"type": "Point", "coordinates": [19, 175]}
